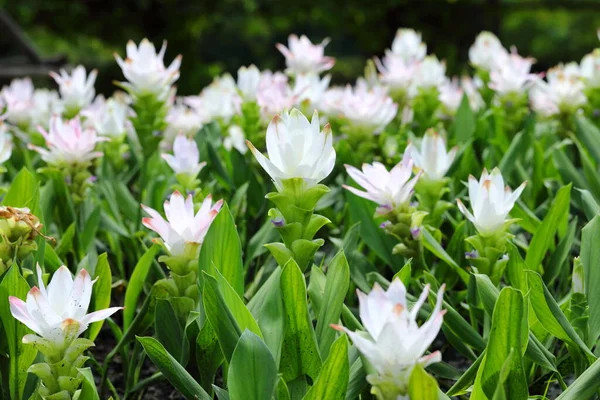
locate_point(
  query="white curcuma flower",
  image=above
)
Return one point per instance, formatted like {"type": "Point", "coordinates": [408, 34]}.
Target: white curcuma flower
{"type": "Point", "coordinates": [430, 73]}
{"type": "Point", "coordinates": [487, 52]}
{"type": "Point", "coordinates": [408, 45]}
{"type": "Point", "coordinates": [297, 148]}
{"type": "Point", "coordinates": [46, 104]}
{"type": "Point", "coordinates": [395, 343]}
{"type": "Point", "coordinates": [562, 93]}
{"type": "Point", "coordinates": [182, 227]}
{"type": "Point", "coordinates": [389, 189]}
{"type": "Point", "coordinates": [432, 159]}
{"type": "Point", "coordinates": [110, 117]}
{"type": "Point", "coordinates": [77, 89]}
{"type": "Point", "coordinates": [145, 69]}
{"type": "Point", "coordinates": [185, 158]}
{"type": "Point", "coordinates": [58, 313]}
{"type": "Point", "coordinates": [590, 68]}
{"type": "Point", "coordinates": [304, 57]}
{"type": "Point", "coordinates": [396, 73]}
{"type": "Point", "coordinates": [491, 202]}
{"type": "Point", "coordinates": [274, 94]}
{"type": "Point", "coordinates": [182, 119]}
{"type": "Point", "coordinates": [6, 143]}
{"type": "Point", "coordinates": [247, 82]}
{"type": "Point", "coordinates": [367, 109]}
{"type": "Point", "coordinates": [218, 101]}
{"type": "Point", "coordinates": [19, 100]}
{"type": "Point", "coordinates": [235, 139]}
{"type": "Point", "coordinates": [311, 88]}
{"type": "Point", "coordinates": [69, 144]}
{"type": "Point", "coordinates": [513, 74]}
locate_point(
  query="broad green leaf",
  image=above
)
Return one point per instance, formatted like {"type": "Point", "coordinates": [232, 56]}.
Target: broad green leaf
{"type": "Point", "coordinates": [432, 245]}
{"type": "Point", "coordinates": [87, 236]}
{"type": "Point", "coordinates": [421, 385]}
{"type": "Point", "coordinates": [168, 328]}
{"type": "Point", "coordinates": [101, 292]}
{"type": "Point", "coordinates": [466, 380]}
{"type": "Point", "coordinates": [336, 288]}
{"type": "Point", "coordinates": [23, 191]}
{"type": "Point", "coordinates": [591, 208]}
{"type": "Point", "coordinates": [506, 338]}
{"type": "Point", "coordinates": [544, 235]}
{"type": "Point", "coordinates": [300, 352]}
{"type": "Point", "coordinates": [20, 355]}
{"type": "Point", "coordinates": [252, 373]}
{"type": "Point", "coordinates": [558, 260]}
{"type": "Point", "coordinates": [88, 385]}
{"type": "Point", "coordinates": [515, 149]}
{"type": "Point", "coordinates": [226, 312]}
{"type": "Point", "coordinates": [464, 122]}
{"type": "Point", "coordinates": [172, 370]}
{"type": "Point", "coordinates": [222, 249]}
{"type": "Point", "coordinates": [332, 382]}
{"type": "Point", "coordinates": [550, 315]}
{"type": "Point", "coordinates": [590, 258]}
{"type": "Point", "coordinates": [136, 284]}
{"type": "Point", "coordinates": [589, 134]}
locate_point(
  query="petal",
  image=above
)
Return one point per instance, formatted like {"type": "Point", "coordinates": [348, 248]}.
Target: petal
{"type": "Point", "coordinates": [59, 288]}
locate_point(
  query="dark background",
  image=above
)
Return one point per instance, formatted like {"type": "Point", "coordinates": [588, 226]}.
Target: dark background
{"type": "Point", "coordinates": [220, 35]}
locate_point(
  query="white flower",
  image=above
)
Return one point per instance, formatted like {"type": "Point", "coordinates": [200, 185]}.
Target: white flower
{"type": "Point", "coordinates": [145, 69]}
{"type": "Point", "coordinates": [18, 97]}
{"type": "Point", "coordinates": [219, 100]}
{"type": "Point", "coordinates": [303, 57]}
{"type": "Point", "coordinates": [590, 68]}
{"type": "Point", "coordinates": [452, 92]}
{"type": "Point", "coordinates": [110, 117]}
{"type": "Point", "coordinates": [370, 109]}
{"type": "Point", "coordinates": [76, 90]}
{"type": "Point", "coordinates": [182, 226]}
{"type": "Point", "coordinates": [46, 103]}
{"type": "Point", "coordinates": [430, 73]}
{"type": "Point", "coordinates": [297, 149]}
{"type": "Point", "coordinates": [487, 51]}
{"type": "Point", "coordinates": [433, 159]}
{"type": "Point", "coordinates": [408, 45]}
{"type": "Point", "coordinates": [512, 75]}
{"type": "Point", "coordinates": [389, 189]}
{"type": "Point", "coordinates": [247, 82]}
{"type": "Point", "coordinates": [58, 314]}
{"type": "Point", "coordinates": [311, 88]}
{"type": "Point", "coordinates": [185, 158]}
{"type": "Point", "coordinates": [235, 139]}
{"type": "Point", "coordinates": [6, 143]}
{"type": "Point", "coordinates": [491, 202]}
{"type": "Point", "coordinates": [274, 94]}
{"type": "Point", "coordinates": [563, 92]}
{"type": "Point", "coordinates": [68, 143]}
{"type": "Point", "coordinates": [396, 72]}
{"type": "Point", "coordinates": [182, 119]}
{"type": "Point", "coordinates": [331, 102]}
{"type": "Point", "coordinates": [395, 342]}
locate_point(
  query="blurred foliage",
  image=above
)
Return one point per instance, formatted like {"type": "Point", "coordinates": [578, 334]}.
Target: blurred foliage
{"type": "Point", "coordinates": [220, 36]}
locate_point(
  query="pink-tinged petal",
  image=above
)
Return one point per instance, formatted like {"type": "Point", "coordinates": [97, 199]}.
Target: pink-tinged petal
{"type": "Point", "coordinates": [18, 309]}
{"type": "Point", "coordinates": [465, 211]}
{"type": "Point", "coordinates": [99, 315]}
{"type": "Point", "coordinates": [59, 288]}
{"type": "Point", "coordinates": [360, 193]}
{"type": "Point", "coordinates": [431, 358]}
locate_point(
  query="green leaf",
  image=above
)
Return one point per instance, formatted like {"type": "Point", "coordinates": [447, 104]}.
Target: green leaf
{"type": "Point", "coordinates": [23, 191]}
{"type": "Point", "coordinates": [586, 386]}
{"type": "Point", "coordinates": [222, 249]}
{"type": "Point", "coordinates": [20, 355]}
{"type": "Point", "coordinates": [509, 160]}
{"type": "Point", "coordinates": [88, 385]}
{"type": "Point", "coordinates": [589, 135]}
{"type": "Point", "coordinates": [336, 288]}
{"type": "Point", "coordinates": [590, 258]}
{"type": "Point", "coordinates": [591, 208]}
{"type": "Point", "coordinates": [136, 284]}
{"type": "Point", "coordinates": [544, 235]}
{"type": "Point", "coordinates": [168, 328]}
{"type": "Point", "coordinates": [433, 246]}
{"type": "Point", "coordinates": [332, 382]}
{"type": "Point", "coordinates": [464, 122]}
{"type": "Point", "coordinates": [421, 385]}
{"type": "Point", "coordinates": [87, 236]}
{"type": "Point", "coordinates": [101, 293]}
{"type": "Point", "coordinates": [550, 315]}
{"type": "Point", "coordinates": [506, 339]}
{"type": "Point", "coordinates": [463, 384]}
{"type": "Point", "coordinates": [300, 353]}
{"type": "Point", "coordinates": [252, 373]}
{"type": "Point", "coordinates": [172, 370]}
{"type": "Point", "coordinates": [226, 312]}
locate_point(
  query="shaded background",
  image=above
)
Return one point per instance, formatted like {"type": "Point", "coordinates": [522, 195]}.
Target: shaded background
{"type": "Point", "coordinates": [217, 36]}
